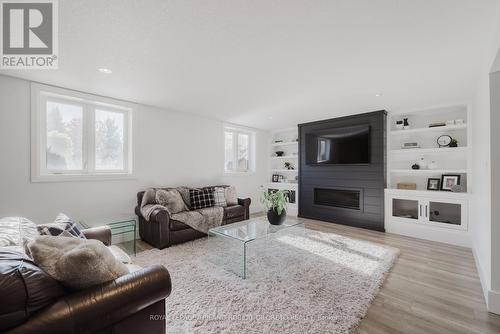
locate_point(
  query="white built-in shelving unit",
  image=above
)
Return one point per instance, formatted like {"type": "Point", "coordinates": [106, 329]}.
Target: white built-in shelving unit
{"type": "Point", "coordinates": [285, 140]}
{"type": "Point", "coordinates": [428, 214]}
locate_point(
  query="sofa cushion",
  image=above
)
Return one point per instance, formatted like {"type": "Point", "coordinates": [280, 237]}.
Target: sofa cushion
{"type": "Point", "coordinates": [234, 211]}
{"type": "Point", "coordinates": [201, 198]}
{"type": "Point", "coordinates": [171, 199]}
{"type": "Point", "coordinates": [24, 287]}
{"type": "Point", "coordinates": [70, 260]}
{"type": "Point", "coordinates": [63, 226]}
{"type": "Point", "coordinates": [176, 225]}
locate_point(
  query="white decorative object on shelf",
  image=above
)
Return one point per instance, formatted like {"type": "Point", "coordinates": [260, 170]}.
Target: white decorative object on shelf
{"type": "Point", "coordinates": [423, 163]}
{"type": "Point", "coordinates": [433, 165]}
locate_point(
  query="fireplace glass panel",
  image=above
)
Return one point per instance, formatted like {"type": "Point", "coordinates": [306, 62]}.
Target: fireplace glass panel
{"type": "Point", "coordinates": [337, 197]}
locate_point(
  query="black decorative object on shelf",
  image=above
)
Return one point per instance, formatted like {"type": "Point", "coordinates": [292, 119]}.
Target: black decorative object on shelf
{"type": "Point", "coordinates": [433, 184]}
{"type": "Point", "coordinates": [405, 122]}
{"type": "Point", "coordinates": [415, 166]}
{"type": "Point", "coordinates": [454, 143]}
{"type": "Point", "coordinates": [279, 153]}
{"type": "Point", "coordinates": [289, 166]}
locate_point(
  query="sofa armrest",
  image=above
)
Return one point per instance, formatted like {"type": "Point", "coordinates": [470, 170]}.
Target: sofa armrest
{"type": "Point", "coordinates": [103, 305]}
{"type": "Point", "coordinates": [101, 233]}
{"type": "Point", "coordinates": [246, 203]}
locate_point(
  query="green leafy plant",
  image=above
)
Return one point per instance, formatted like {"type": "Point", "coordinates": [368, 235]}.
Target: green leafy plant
{"type": "Point", "coordinates": [276, 200]}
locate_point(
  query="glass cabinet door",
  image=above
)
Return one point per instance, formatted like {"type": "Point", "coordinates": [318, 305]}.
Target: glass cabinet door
{"type": "Point", "coordinates": [445, 213]}
{"type": "Point", "coordinates": [405, 208]}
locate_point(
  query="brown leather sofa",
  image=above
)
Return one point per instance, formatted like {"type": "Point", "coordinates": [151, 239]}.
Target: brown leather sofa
{"type": "Point", "coordinates": [161, 231]}
{"type": "Point", "coordinates": [33, 302]}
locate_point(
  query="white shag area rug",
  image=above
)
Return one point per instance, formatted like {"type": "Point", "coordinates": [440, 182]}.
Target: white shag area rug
{"type": "Point", "coordinates": [299, 282]}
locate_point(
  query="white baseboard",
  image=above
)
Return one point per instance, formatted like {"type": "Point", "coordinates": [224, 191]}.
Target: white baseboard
{"type": "Point", "coordinates": [482, 276]}
{"type": "Point", "coordinates": [494, 301]}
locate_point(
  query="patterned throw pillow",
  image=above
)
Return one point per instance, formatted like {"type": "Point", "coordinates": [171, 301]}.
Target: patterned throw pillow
{"type": "Point", "coordinates": [63, 226]}
{"type": "Point", "coordinates": [220, 197]}
{"type": "Point", "coordinates": [201, 198]}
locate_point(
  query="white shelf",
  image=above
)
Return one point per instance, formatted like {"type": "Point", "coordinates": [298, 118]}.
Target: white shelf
{"type": "Point", "coordinates": [284, 170]}
{"type": "Point", "coordinates": [285, 143]}
{"type": "Point", "coordinates": [434, 129]}
{"type": "Point", "coordinates": [284, 185]}
{"type": "Point", "coordinates": [429, 171]}
{"type": "Point", "coordinates": [433, 193]}
{"type": "Point", "coordinates": [286, 157]}
{"type": "Point", "coordinates": [432, 150]}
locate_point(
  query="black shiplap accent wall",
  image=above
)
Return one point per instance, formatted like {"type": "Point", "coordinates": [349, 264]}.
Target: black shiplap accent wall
{"type": "Point", "coordinates": [370, 178]}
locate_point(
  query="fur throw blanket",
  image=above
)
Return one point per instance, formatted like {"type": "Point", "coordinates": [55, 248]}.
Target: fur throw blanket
{"type": "Point", "coordinates": [201, 220]}
{"type": "Point", "coordinates": [69, 260]}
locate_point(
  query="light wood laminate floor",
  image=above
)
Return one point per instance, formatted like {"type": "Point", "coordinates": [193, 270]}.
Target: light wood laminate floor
{"type": "Point", "coordinates": [432, 288]}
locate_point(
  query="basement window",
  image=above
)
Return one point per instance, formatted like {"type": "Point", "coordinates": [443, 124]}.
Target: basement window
{"type": "Point", "coordinates": [238, 150]}
{"type": "Point", "coordinates": [78, 136]}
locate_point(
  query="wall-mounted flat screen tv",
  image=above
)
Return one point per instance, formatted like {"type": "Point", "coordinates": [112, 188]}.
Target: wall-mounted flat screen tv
{"type": "Point", "coordinates": [346, 145]}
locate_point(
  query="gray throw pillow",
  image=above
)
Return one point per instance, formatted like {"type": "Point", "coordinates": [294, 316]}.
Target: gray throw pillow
{"type": "Point", "coordinates": [71, 260]}
{"type": "Point", "coordinates": [231, 197]}
{"type": "Point", "coordinates": [184, 191]}
{"type": "Point", "coordinates": [171, 199]}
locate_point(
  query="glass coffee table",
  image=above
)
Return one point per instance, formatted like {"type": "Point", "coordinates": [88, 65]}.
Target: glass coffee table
{"type": "Point", "coordinates": [119, 225]}
{"type": "Point", "coordinates": [228, 244]}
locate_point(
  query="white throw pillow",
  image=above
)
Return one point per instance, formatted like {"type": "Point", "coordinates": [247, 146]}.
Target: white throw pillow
{"type": "Point", "coordinates": [231, 197]}
{"type": "Point", "coordinates": [220, 197]}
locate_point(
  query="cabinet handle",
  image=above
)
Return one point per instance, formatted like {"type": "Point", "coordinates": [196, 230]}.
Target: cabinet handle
{"type": "Point", "coordinates": [420, 210]}
{"type": "Point", "coordinates": [425, 211]}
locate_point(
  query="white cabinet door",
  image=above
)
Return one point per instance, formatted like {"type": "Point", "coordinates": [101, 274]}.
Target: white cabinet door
{"type": "Point", "coordinates": [405, 209]}
{"type": "Point", "coordinates": [447, 213]}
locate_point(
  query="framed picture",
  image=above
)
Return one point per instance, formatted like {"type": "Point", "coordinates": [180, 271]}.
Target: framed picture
{"type": "Point", "coordinates": [275, 177]}
{"type": "Point", "coordinates": [433, 184]}
{"type": "Point", "coordinates": [448, 181]}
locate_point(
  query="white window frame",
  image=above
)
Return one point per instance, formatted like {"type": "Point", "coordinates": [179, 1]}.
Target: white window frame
{"type": "Point", "coordinates": [40, 94]}
{"type": "Point", "coordinates": [251, 148]}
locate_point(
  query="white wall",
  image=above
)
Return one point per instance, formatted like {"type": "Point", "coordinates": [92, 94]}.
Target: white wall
{"type": "Point", "coordinates": [481, 205]}
{"type": "Point", "coordinates": [494, 298]}
{"type": "Point", "coordinates": [485, 230]}
{"type": "Point", "coordinates": [171, 149]}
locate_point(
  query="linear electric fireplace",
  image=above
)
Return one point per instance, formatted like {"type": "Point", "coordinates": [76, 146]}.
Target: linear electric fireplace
{"type": "Point", "coordinates": [344, 188]}
{"type": "Point", "coordinates": [340, 198]}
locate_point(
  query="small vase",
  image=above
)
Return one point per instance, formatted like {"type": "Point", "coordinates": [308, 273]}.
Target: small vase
{"type": "Point", "coordinates": [423, 163]}
{"type": "Point", "coordinates": [274, 218]}
{"type": "Point", "coordinates": [433, 165]}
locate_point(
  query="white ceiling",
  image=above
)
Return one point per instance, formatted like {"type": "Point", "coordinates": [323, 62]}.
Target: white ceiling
{"type": "Point", "coordinates": [293, 61]}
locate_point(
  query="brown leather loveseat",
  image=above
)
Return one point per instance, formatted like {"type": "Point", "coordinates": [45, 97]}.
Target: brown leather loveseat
{"type": "Point", "coordinates": [33, 302]}
{"type": "Point", "coordinates": [161, 231]}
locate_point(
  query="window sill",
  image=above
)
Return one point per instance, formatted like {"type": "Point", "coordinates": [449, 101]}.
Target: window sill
{"type": "Point", "coordinates": [238, 173]}
{"type": "Point", "coordinates": [81, 177]}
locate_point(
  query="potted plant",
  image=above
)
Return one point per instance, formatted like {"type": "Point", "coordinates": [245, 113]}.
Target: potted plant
{"type": "Point", "coordinates": [453, 143]}
{"type": "Point", "coordinates": [275, 202]}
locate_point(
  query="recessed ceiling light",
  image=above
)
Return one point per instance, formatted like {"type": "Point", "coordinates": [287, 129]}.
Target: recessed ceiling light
{"type": "Point", "coordinates": [378, 95]}
{"type": "Point", "coordinates": [105, 70]}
